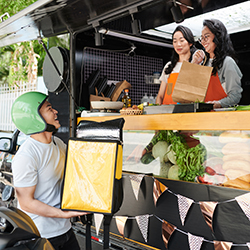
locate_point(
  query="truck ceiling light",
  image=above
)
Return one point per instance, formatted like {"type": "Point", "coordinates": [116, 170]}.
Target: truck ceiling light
{"type": "Point", "coordinates": [135, 26]}
{"type": "Point", "coordinates": [133, 38]}
{"type": "Point", "coordinates": [176, 13]}
{"type": "Point", "coordinates": [98, 39]}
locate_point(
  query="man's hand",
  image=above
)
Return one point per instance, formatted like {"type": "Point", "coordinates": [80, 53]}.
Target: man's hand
{"type": "Point", "coordinates": [70, 214]}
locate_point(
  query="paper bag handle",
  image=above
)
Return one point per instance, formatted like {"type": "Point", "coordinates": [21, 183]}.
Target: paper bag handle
{"type": "Point", "coordinates": [205, 59]}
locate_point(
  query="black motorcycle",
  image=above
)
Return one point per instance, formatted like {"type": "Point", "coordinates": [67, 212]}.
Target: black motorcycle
{"type": "Point", "coordinates": [17, 230]}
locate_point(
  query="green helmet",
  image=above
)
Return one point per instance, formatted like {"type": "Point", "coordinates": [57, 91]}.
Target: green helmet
{"type": "Point", "coordinates": [25, 112]}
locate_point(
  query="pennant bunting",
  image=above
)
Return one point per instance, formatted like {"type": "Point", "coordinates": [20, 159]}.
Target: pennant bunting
{"type": "Point", "coordinates": [136, 182]}
{"type": "Point", "coordinates": [222, 245]}
{"type": "Point", "coordinates": [244, 203]}
{"type": "Point", "coordinates": [98, 221]}
{"type": "Point", "coordinates": [184, 204]}
{"type": "Point", "coordinates": [195, 242]}
{"type": "Point", "coordinates": [120, 223]}
{"type": "Point", "coordinates": [207, 209]}
{"type": "Point", "coordinates": [142, 222]}
{"type": "Point", "coordinates": [158, 190]}
{"type": "Point", "coordinates": [167, 231]}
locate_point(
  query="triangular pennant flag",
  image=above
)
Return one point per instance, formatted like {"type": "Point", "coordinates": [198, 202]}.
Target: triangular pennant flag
{"type": "Point", "coordinates": [184, 204]}
{"type": "Point", "coordinates": [244, 203]}
{"type": "Point", "coordinates": [167, 231]}
{"type": "Point", "coordinates": [222, 245]}
{"type": "Point", "coordinates": [248, 244]}
{"type": "Point", "coordinates": [195, 242]}
{"type": "Point", "coordinates": [207, 209]}
{"type": "Point", "coordinates": [142, 221]}
{"type": "Point", "coordinates": [159, 189]}
{"type": "Point", "coordinates": [120, 223]}
{"type": "Point", "coordinates": [136, 182]}
{"type": "Point", "coordinates": [98, 221]}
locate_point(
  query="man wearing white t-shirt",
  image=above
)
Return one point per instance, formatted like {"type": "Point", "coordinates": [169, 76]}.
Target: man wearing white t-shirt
{"type": "Point", "coordinates": [38, 170]}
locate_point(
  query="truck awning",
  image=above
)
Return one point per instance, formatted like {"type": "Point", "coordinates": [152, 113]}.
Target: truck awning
{"type": "Point", "coordinates": [47, 18]}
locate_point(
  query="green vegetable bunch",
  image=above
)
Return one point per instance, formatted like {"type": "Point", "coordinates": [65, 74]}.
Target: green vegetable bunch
{"type": "Point", "coordinates": [189, 160]}
{"type": "Point", "coordinates": [161, 135]}
{"type": "Point", "coordinates": [193, 163]}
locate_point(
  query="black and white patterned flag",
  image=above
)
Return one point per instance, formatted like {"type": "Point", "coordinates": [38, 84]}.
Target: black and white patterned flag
{"type": "Point", "coordinates": [142, 221]}
{"type": "Point", "coordinates": [244, 203]}
{"type": "Point", "coordinates": [184, 204]}
{"type": "Point", "coordinates": [195, 242]}
{"type": "Point", "coordinates": [136, 182]}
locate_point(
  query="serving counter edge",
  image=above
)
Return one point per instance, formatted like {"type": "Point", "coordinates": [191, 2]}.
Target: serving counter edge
{"type": "Point", "coordinates": [226, 120]}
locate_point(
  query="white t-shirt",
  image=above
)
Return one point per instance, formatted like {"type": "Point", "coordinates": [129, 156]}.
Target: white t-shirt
{"type": "Point", "coordinates": [164, 77]}
{"type": "Point", "coordinates": [42, 165]}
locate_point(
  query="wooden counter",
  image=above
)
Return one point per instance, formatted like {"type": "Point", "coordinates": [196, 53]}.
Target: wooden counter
{"type": "Point", "coordinates": [226, 120]}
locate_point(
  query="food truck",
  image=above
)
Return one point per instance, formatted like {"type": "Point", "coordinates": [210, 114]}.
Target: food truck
{"type": "Point", "coordinates": [118, 45]}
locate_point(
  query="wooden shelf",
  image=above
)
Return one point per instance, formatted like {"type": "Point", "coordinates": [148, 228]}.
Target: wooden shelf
{"type": "Point", "coordinates": [226, 120]}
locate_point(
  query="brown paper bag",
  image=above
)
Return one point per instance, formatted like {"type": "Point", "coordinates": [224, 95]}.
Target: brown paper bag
{"type": "Point", "coordinates": [192, 83]}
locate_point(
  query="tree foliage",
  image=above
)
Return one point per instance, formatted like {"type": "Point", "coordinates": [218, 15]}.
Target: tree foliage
{"type": "Point", "coordinates": [14, 58]}
{"type": "Point", "coordinates": [20, 62]}
{"type": "Point", "coordinates": [12, 7]}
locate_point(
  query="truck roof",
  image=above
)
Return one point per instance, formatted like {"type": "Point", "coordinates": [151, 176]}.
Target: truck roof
{"type": "Point", "coordinates": [48, 18]}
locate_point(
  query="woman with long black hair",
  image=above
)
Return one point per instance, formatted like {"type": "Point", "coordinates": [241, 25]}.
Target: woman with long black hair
{"type": "Point", "coordinates": [224, 89]}
{"type": "Point", "coordinates": [183, 42]}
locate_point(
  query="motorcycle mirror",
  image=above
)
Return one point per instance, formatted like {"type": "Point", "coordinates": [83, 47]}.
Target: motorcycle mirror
{"type": "Point", "coordinates": [8, 193]}
{"type": "Point", "coordinates": [5, 144]}
{"type": "Point", "coordinates": [9, 145]}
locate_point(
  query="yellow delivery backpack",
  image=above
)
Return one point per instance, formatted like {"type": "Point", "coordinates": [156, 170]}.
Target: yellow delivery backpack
{"type": "Point", "coordinates": [93, 169]}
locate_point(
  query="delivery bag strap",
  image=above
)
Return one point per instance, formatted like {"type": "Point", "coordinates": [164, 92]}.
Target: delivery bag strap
{"type": "Point", "coordinates": [87, 220]}
{"type": "Point", "coordinates": [106, 224]}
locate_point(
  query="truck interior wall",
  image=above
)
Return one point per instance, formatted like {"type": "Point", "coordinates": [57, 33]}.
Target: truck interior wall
{"type": "Point", "coordinates": [241, 43]}
{"type": "Point", "coordinates": [118, 67]}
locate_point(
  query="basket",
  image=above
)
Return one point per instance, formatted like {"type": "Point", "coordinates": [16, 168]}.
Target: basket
{"type": "Point", "coordinates": [131, 112]}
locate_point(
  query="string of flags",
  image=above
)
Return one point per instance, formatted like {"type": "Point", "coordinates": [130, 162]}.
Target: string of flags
{"type": "Point", "coordinates": [184, 204]}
